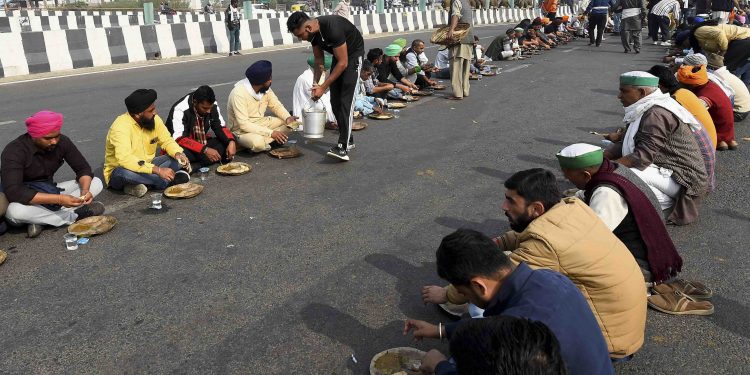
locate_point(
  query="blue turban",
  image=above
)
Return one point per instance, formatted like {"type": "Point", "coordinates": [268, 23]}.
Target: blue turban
{"type": "Point", "coordinates": [259, 73]}
{"type": "Point", "coordinates": [698, 19]}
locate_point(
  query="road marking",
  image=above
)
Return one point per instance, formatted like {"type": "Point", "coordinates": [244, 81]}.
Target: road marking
{"type": "Point", "coordinates": [218, 84]}
{"type": "Point", "coordinates": [572, 49]}
{"type": "Point", "coordinates": [513, 69]}
{"type": "Point", "coordinates": [7, 122]}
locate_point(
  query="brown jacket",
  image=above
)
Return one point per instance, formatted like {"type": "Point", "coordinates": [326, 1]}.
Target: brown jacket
{"type": "Point", "coordinates": [572, 240]}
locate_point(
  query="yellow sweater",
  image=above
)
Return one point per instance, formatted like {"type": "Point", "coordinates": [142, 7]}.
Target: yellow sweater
{"type": "Point", "coordinates": [130, 146]}
{"type": "Point", "coordinates": [247, 114]}
{"type": "Point", "coordinates": [716, 39]}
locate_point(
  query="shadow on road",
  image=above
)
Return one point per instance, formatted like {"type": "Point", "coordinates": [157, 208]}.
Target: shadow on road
{"type": "Point", "coordinates": [411, 279]}
{"type": "Point", "coordinates": [490, 227]}
{"type": "Point", "coordinates": [364, 341]}
{"type": "Point", "coordinates": [554, 142]}
{"type": "Point", "coordinates": [731, 315]}
{"type": "Point", "coordinates": [493, 172]}
{"type": "Point", "coordinates": [548, 162]}
{"type": "Point", "coordinates": [732, 214]}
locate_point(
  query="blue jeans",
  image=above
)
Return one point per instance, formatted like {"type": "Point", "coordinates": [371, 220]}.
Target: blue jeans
{"type": "Point", "coordinates": [234, 40]}
{"type": "Point", "coordinates": [121, 176]}
{"type": "Point", "coordinates": [616, 20]}
{"type": "Point", "coordinates": [744, 72]}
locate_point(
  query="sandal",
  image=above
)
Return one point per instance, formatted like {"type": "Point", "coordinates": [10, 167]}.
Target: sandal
{"type": "Point", "coordinates": [452, 97]}
{"type": "Point", "coordinates": [722, 146]}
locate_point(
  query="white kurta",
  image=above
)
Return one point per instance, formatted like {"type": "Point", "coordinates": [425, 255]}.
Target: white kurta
{"type": "Point", "coordinates": [608, 204]}
{"type": "Point", "coordinates": [301, 95]}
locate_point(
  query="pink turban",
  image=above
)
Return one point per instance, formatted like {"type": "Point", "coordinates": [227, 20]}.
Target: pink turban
{"type": "Point", "coordinates": [43, 123]}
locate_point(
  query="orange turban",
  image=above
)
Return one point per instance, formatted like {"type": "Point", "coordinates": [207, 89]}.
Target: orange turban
{"type": "Point", "coordinates": [688, 76]}
{"type": "Point", "coordinates": [565, 18]}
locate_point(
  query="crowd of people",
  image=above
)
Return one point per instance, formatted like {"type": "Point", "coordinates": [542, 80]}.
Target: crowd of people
{"type": "Point", "coordinates": [571, 280]}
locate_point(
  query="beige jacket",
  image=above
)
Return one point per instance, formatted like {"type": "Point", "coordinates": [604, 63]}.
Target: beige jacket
{"type": "Point", "coordinates": [716, 39]}
{"type": "Point", "coordinates": [572, 240]}
{"type": "Point", "coordinates": [247, 114]}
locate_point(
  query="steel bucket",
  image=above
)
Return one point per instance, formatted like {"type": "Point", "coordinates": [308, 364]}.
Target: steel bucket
{"type": "Point", "coordinates": [314, 121]}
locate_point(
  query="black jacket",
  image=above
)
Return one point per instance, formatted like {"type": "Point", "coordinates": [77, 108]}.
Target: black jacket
{"type": "Point", "coordinates": [182, 119]}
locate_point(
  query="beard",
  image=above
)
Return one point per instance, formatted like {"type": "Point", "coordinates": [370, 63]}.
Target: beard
{"type": "Point", "coordinates": [148, 124]}
{"type": "Point", "coordinates": [520, 223]}
{"type": "Point", "coordinates": [264, 89]}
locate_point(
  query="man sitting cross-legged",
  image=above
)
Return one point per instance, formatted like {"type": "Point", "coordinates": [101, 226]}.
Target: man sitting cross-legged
{"type": "Point", "coordinates": [247, 106]}
{"type": "Point", "coordinates": [484, 275]}
{"type": "Point", "coordinates": [630, 209]}
{"type": "Point", "coordinates": [28, 168]}
{"type": "Point", "coordinates": [130, 161]}
{"type": "Point", "coordinates": [566, 236]}
{"type": "Point", "coordinates": [196, 124]}
{"type": "Point", "coordinates": [303, 89]}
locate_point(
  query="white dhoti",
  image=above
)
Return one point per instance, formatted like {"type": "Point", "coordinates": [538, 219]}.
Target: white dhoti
{"type": "Point", "coordinates": [661, 183]}
{"type": "Point", "coordinates": [301, 95]}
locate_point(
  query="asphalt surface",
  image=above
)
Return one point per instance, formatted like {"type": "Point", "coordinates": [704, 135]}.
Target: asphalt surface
{"type": "Point", "coordinates": [296, 266]}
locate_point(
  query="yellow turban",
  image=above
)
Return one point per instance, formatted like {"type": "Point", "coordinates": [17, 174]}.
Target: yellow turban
{"type": "Point", "coordinates": [688, 76]}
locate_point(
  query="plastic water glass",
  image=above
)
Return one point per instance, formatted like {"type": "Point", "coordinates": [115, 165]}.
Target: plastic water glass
{"type": "Point", "coordinates": [156, 201]}
{"type": "Point", "coordinates": [71, 241]}
{"type": "Point", "coordinates": [204, 175]}
{"type": "Point", "coordinates": [396, 113]}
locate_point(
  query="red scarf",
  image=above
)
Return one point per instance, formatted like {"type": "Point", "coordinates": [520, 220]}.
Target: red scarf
{"type": "Point", "coordinates": [663, 259]}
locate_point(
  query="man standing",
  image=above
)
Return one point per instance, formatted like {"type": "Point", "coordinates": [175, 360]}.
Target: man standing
{"type": "Point", "coordinates": [247, 106]}
{"type": "Point", "coordinates": [597, 12]}
{"type": "Point", "coordinates": [28, 169]}
{"type": "Point", "coordinates": [192, 120]}
{"type": "Point", "coordinates": [339, 37]}
{"type": "Point", "coordinates": [633, 14]}
{"type": "Point", "coordinates": [660, 14]}
{"type": "Point", "coordinates": [461, 53]}
{"type": "Point", "coordinates": [232, 17]}
{"type": "Point", "coordinates": [130, 161]}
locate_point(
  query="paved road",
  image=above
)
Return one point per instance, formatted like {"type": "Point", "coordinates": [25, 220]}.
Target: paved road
{"type": "Point", "coordinates": [303, 262]}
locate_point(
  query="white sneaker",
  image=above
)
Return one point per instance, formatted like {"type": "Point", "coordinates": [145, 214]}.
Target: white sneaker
{"type": "Point", "coordinates": [666, 44]}
{"type": "Point", "coordinates": [656, 43]}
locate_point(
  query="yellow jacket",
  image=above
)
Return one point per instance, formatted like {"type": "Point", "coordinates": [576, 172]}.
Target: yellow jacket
{"type": "Point", "coordinates": [246, 114]}
{"type": "Point", "coordinates": [716, 39]}
{"type": "Point", "coordinates": [571, 239]}
{"type": "Point", "coordinates": [130, 146]}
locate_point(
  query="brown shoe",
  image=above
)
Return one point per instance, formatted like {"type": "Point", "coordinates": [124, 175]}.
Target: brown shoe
{"type": "Point", "coordinates": [693, 289]}
{"type": "Point", "coordinates": [331, 126]}
{"type": "Point", "coordinates": [670, 301]}
{"type": "Point", "coordinates": [722, 146]}
{"type": "Point", "coordinates": [733, 145]}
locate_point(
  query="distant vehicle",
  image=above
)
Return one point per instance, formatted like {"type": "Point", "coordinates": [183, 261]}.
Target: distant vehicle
{"type": "Point", "coordinates": [300, 7]}
{"type": "Point", "coordinates": [396, 4]}
{"type": "Point", "coordinates": [16, 4]}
